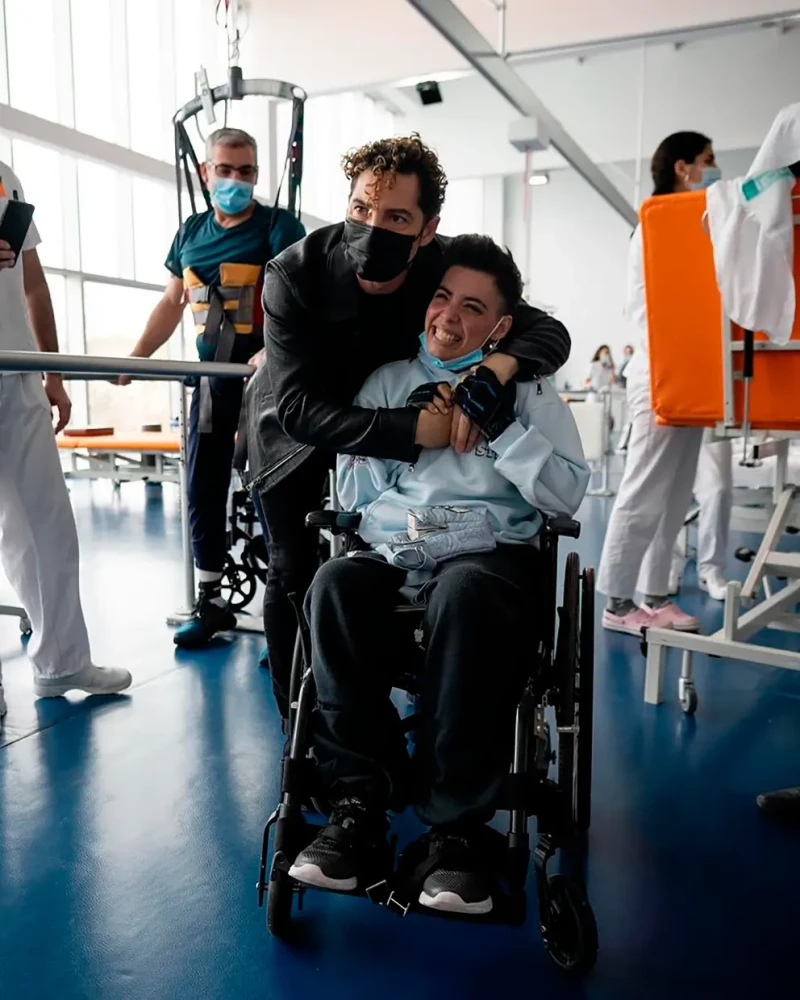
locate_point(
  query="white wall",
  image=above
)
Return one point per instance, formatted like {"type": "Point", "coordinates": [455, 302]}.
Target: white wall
{"type": "Point", "coordinates": [579, 249]}
{"type": "Point", "coordinates": [730, 87]}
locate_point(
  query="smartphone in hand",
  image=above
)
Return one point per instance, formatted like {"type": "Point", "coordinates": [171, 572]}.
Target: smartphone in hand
{"type": "Point", "coordinates": [14, 225]}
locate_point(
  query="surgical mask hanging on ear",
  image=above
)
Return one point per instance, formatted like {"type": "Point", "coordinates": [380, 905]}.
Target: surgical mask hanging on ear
{"type": "Point", "coordinates": [457, 364]}
{"type": "Point", "coordinates": [710, 176]}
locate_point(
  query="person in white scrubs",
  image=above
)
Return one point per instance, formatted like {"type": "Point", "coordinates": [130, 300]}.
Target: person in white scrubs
{"type": "Point", "coordinates": [662, 462]}
{"type": "Point", "coordinates": [713, 491]}
{"type": "Point", "coordinates": [38, 539]}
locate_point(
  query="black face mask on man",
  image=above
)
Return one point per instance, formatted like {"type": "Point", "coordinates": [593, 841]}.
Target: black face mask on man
{"type": "Point", "coordinates": [377, 254]}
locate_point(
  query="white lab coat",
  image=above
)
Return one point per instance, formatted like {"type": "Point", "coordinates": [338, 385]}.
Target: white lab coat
{"type": "Point", "coordinates": [38, 539]}
{"type": "Point", "coordinates": [754, 240]}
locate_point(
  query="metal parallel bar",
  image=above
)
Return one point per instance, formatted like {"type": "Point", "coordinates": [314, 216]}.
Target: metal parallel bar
{"type": "Point", "coordinates": [38, 361]}
{"type": "Point", "coordinates": [462, 34]}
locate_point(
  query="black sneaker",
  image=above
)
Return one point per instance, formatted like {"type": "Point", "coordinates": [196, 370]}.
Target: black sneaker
{"type": "Point", "coordinates": [463, 882]}
{"type": "Point", "coordinates": [348, 847]}
{"type": "Point", "coordinates": [208, 618]}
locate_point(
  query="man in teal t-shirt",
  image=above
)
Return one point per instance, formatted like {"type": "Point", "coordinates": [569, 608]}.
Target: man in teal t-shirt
{"type": "Point", "coordinates": [217, 263]}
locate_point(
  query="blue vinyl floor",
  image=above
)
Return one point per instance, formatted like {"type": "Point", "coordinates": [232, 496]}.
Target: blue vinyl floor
{"type": "Point", "coordinates": [130, 827]}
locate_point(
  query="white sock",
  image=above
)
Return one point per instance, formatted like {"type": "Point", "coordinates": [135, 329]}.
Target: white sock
{"type": "Point", "coordinates": [206, 576]}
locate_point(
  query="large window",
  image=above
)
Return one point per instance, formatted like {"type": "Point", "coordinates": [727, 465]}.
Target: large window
{"type": "Point", "coordinates": [115, 318]}
{"type": "Point", "coordinates": [332, 126]}
{"type": "Point", "coordinates": [33, 56]}
{"type": "Point", "coordinates": [40, 172]}
{"type": "Point", "coordinates": [94, 55]}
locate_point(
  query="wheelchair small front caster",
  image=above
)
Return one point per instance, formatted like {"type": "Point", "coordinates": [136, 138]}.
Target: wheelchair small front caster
{"type": "Point", "coordinates": [279, 903]}
{"type": "Point", "coordinates": [569, 930]}
{"type": "Point", "coordinates": [25, 626]}
{"type": "Point", "coordinates": [688, 697]}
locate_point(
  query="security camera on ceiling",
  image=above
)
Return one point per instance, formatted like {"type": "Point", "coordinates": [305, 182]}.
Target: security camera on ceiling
{"type": "Point", "coordinates": [429, 92]}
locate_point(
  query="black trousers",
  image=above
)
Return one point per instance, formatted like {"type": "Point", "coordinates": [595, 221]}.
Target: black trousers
{"type": "Point", "coordinates": [209, 460]}
{"type": "Point", "coordinates": [480, 634]}
{"type": "Point", "coordinates": [293, 561]}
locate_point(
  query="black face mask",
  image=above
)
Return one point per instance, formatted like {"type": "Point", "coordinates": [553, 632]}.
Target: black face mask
{"type": "Point", "coordinates": [377, 254]}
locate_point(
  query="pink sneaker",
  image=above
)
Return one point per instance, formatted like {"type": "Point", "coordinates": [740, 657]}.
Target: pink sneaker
{"type": "Point", "coordinates": [671, 616]}
{"type": "Point", "coordinates": [633, 622]}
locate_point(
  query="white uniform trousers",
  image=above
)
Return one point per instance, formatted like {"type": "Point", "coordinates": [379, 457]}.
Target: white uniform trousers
{"type": "Point", "coordinates": [650, 506]}
{"type": "Point", "coordinates": [38, 539]}
{"type": "Point", "coordinates": [713, 486]}
{"type": "Point", "coordinates": [713, 490]}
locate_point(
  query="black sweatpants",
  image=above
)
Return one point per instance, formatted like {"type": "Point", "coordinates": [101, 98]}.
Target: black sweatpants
{"type": "Point", "coordinates": [209, 460]}
{"type": "Point", "coordinates": [480, 634]}
{"type": "Point", "coordinates": [293, 561]}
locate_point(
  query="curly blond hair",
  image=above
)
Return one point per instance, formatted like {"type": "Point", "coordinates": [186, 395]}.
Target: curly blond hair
{"type": "Point", "coordinates": [387, 158]}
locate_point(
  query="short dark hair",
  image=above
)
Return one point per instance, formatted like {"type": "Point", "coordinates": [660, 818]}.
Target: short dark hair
{"type": "Point", "coordinates": [678, 146]}
{"type": "Point", "coordinates": [481, 253]}
{"type": "Point", "coordinates": [401, 155]}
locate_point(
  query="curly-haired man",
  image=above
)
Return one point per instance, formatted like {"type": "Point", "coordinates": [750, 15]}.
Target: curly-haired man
{"type": "Point", "coordinates": [324, 299]}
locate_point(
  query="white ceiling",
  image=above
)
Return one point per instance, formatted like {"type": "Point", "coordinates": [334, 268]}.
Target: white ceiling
{"type": "Point", "coordinates": [330, 45]}
{"type": "Point", "coordinates": [536, 24]}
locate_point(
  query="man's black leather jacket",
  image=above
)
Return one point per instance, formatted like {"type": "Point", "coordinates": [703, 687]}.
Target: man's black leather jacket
{"type": "Point", "coordinates": [324, 336]}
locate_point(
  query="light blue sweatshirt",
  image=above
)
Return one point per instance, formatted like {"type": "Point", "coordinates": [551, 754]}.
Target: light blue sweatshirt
{"type": "Point", "coordinates": [536, 464]}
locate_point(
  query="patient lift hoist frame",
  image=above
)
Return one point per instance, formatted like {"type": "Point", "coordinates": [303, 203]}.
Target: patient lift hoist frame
{"type": "Point", "coordinates": [187, 172]}
{"type": "Point", "coordinates": [778, 608]}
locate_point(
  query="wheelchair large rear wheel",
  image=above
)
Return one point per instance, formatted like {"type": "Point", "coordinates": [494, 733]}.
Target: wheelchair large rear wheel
{"type": "Point", "coordinates": [585, 699]}
{"type": "Point", "coordinates": [238, 583]}
{"type": "Point", "coordinates": [567, 666]}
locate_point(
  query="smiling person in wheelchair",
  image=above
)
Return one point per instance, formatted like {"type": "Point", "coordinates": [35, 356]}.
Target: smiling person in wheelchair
{"type": "Point", "coordinates": [457, 535]}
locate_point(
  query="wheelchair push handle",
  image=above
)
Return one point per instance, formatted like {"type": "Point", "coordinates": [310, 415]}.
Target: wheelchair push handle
{"type": "Point", "coordinates": [562, 526]}
{"type": "Point", "coordinates": [337, 522]}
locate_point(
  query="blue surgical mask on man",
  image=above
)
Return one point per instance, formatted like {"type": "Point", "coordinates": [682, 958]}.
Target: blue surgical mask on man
{"type": "Point", "coordinates": [710, 176]}
{"type": "Point", "coordinates": [231, 196]}
{"type": "Point", "coordinates": [456, 364]}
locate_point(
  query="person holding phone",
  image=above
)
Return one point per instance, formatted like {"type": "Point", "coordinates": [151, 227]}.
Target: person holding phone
{"type": "Point", "coordinates": [38, 538]}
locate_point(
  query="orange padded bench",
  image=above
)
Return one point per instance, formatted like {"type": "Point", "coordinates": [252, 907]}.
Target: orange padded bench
{"type": "Point", "coordinates": [685, 326]}
{"type": "Point", "coordinates": [146, 442]}
{"type": "Point", "coordinates": [137, 456]}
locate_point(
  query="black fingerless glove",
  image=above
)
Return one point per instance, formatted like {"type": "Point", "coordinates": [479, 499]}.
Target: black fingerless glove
{"type": "Point", "coordinates": [424, 394]}
{"type": "Point", "coordinates": [487, 402]}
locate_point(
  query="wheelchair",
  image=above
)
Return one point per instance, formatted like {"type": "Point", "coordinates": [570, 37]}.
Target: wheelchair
{"type": "Point", "coordinates": [549, 778]}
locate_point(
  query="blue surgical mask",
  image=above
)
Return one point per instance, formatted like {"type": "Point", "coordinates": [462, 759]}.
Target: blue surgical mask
{"type": "Point", "coordinates": [456, 364]}
{"type": "Point", "coordinates": [231, 196]}
{"type": "Point", "coordinates": [710, 176]}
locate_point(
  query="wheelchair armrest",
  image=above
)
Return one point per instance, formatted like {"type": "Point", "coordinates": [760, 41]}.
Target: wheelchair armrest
{"type": "Point", "coordinates": [562, 526]}
{"type": "Point", "coordinates": [337, 522]}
